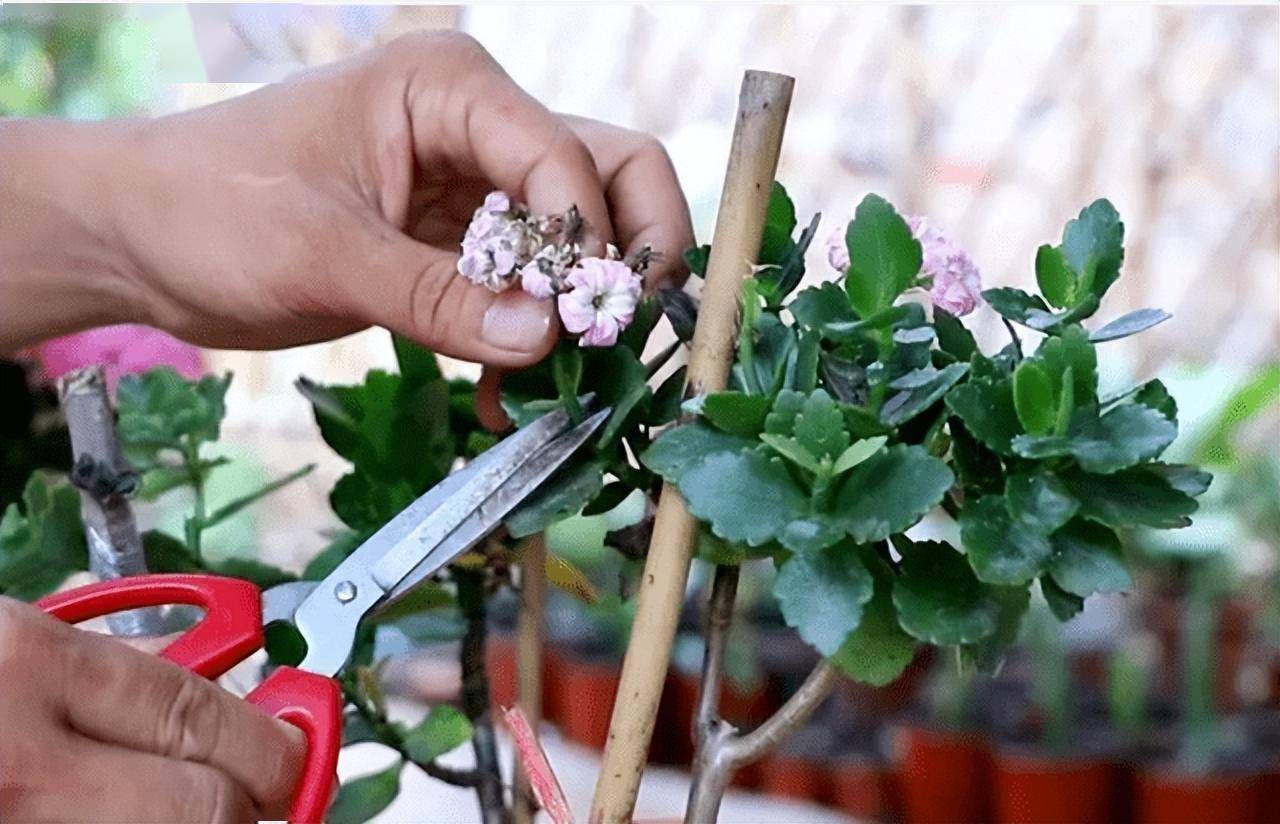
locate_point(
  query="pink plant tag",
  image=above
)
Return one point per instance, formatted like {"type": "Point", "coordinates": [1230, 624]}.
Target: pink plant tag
{"type": "Point", "coordinates": [546, 787]}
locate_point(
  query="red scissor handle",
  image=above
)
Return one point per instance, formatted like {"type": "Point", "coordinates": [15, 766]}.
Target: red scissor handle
{"type": "Point", "coordinates": [229, 632]}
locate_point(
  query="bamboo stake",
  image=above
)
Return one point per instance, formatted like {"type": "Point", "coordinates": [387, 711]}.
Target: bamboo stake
{"type": "Point", "coordinates": [753, 160]}
{"type": "Point", "coordinates": [529, 633]}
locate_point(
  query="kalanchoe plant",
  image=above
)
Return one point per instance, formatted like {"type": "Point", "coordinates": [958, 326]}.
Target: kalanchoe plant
{"type": "Point", "coordinates": [855, 412]}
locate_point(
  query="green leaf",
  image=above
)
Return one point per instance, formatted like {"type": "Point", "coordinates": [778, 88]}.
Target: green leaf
{"type": "Point", "coordinates": [736, 413]}
{"type": "Point", "coordinates": [1154, 395]}
{"type": "Point", "coordinates": [879, 650]}
{"type": "Point", "coordinates": [890, 491]}
{"type": "Point", "coordinates": [1066, 403]}
{"type": "Point", "coordinates": [884, 258]}
{"type": "Point", "coordinates": [415, 361]}
{"type": "Point", "coordinates": [1011, 607]}
{"type": "Point", "coordinates": [1057, 281]}
{"type": "Point", "coordinates": [227, 510]}
{"type": "Point", "coordinates": [696, 257]}
{"type": "Point", "coordinates": [812, 533]}
{"type": "Point", "coordinates": [938, 599]}
{"type": "Point", "coordinates": [715, 550]}
{"type": "Point", "coordinates": [821, 595]}
{"type": "Point", "coordinates": [1039, 500]}
{"type": "Point", "coordinates": [920, 390]}
{"type": "Point", "coordinates": [619, 380]}
{"type": "Point", "coordinates": [791, 449]}
{"type": "Point", "coordinates": [665, 406]}
{"type": "Point", "coordinates": [166, 553]}
{"type": "Point", "coordinates": [790, 271]}
{"type": "Point", "coordinates": [817, 306]}
{"type": "Point", "coordinates": [1002, 550]}
{"type": "Point", "coordinates": [682, 447]}
{"type": "Point", "coordinates": [1033, 398]}
{"type": "Point", "coordinates": [781, 420]}
{"type": "Point", "coordinates": [609, 498]}
{"type": "Point", "coordinates": [1186, 479]}
{"type": "Point", "coordinates": [443, 730]}
{"type": "Point", "coordinates": [363, 798]}
{"type": "Point", "coordinates": [819, 426]}
{"type": "Point", "coordinates": [566, 373]}
{"type": "Point", "coordinates": [804, 376]}
{"type": "Point", "coordinates": [1071, 349]}
{"type": "Point", "coordinates": [41, 542]}
{"type": "Point", "coordinates": [425, 597]}
{"type": "Point", "coordinates": [746, 497]}
{"type": "Point", "coordinates": [858, 452]}
{"type": "Point", "coordinates": [160, 409]}
{"type": "Point", "coordinates": [1128, 324]}
{"type": "Point", "coordinates": [1125, 436]}
{"type": "Point", "coordinates": [1062, 604]}
{"type": "Point", "coordinates": [250, 569]}
{"type": "Point", "coordinates": [564, 494]}
{"type": "Point", "coordinates": [779, 223]}
{"type": "Point", "coordinates": [356, 730]}
{"type": "Point", "coordinates": [328, 559]}
{"type": "Point", "coordinates": [953, 337]}
{"type": "Point", "coordinates": [1014, 304]}
{"type": "Point", "coordinates": [1087, 558]}
{"type": "Point", "coordinates": [365, 504]}
{"type": "Point", "coordinates": [986, 407]}
{"type": "Point", "coordinates": [1141, 496]}
{"type": "Point", "coordinates": [978, 468]}
{"type": "Point", "coordinates": [681, 311]}
{"type": "Point", "coordinates": [1093, 245]}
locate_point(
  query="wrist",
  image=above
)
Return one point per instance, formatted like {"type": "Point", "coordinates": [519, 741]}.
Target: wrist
{"type": "Point", "coordinates": [63, 263]}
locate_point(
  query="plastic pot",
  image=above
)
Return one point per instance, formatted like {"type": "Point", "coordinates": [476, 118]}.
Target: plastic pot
{"type": "Point", "coordinates": [944, 776]}
{"type": "Point", "coordinates": [500, 665]}
{"type": "Point", "coordinates": [861, 787]}
{"type": "Point", "coordinates": [793, 775]}
{"type": "Point", "coordinates": [1164, 796]}
{"type": "Point", "coordinates": [1031, 787]}
{"type": "Point", "coordinates": [584, 699]}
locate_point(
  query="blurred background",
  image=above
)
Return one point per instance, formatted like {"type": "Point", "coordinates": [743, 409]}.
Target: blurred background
{"type": "Point", "coordinates": [1000, 123]}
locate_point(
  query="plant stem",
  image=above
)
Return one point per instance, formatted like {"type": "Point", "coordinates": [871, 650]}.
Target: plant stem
{"type": "Point", "coordinates": [475, 698]}
{"type": "Point", "coordinates": [388, 735]}
{"type": "Point", "coordinates": [725, 751]}
{"type": "Point", "coordinates": [529, 632]}
{"type": "Point", "coordinates": [196, 473]}
{"type": "Point", "coordinates": [1017, 341]}
{"type": "Point", "coordinates": [659, 360]}
{"type": "Point", "coordinates": [724, 591]}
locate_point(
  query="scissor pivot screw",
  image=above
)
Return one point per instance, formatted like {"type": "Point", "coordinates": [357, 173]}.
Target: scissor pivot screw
{"type": "Point", "coordinates": [345, 592]}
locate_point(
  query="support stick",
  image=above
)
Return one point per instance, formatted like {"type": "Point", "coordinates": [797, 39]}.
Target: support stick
{"type": "Point", "coordinates": [533, 595]}
{"type": "Point", "coordinates": [753, 159]}
{"type": "Point", "coordinates": [105, 480]}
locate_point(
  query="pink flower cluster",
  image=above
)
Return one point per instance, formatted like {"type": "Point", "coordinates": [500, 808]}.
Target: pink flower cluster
{"type": "Point", "coordinates": [956, 284]}
{"type": "Point", "coordinates": [596, 297]}
{"type": "Point", "coordinates": [954, 281]}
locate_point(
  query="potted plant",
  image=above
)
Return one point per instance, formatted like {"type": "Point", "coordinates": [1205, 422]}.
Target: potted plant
{"type": "Point", "coordinates": [1066, 772]}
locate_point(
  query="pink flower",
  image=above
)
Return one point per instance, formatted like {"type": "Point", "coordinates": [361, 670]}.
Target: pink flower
{"type": "Point", "coordinates": [838, 250]}
{"type": "Point", "coordinates": [123, 350]}
{"type": "Point", "coordinates": [536, 282]}
{"type": "Point", "coordinates": [601, 300]}
{"type": "Point", "coordinates": [956, 284]}
{"type": "Point", "coordinates": [499, 240]}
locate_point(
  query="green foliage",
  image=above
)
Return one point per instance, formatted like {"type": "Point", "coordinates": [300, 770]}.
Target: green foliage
{"type": "Point", "coordinates": [442, 730]}
{"type": "Point", "coordinates": [853, 416]}
{"type": "Point", "coordinates": [41, 539]}
{"type": "Point", "coordinates": [161, 410]}
{"type": "Point", "coordinates": [363, 798]}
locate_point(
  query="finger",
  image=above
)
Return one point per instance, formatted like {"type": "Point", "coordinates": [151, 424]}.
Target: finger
{"type": "Point", "coordinates": [149, 704]}
{"type": "Point", "coordinates": [487, 123]}
{"type": "Point", "coordinates": [118, 784]}
{"type": "Point", "coordinates": [645, 200]}
{"type": "Point", "coordinates": [489, 401]}
{"type": "Point", "coordinates": [415, 290]}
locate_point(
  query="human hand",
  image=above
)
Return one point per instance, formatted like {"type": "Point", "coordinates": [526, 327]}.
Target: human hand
{"type": "Point", "coordinates": [337, 200]}
{"type": "Point", "coordinates": [92, 730]}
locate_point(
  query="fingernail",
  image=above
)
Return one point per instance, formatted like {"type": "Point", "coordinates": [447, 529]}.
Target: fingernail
{"type": "Point", "coordinates": [517, 322]}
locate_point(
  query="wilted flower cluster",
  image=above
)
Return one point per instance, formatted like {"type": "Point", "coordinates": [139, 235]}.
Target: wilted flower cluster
{"type": "Point", "coordinates": [506, 244]}
{"type": "Point", "coordinates": [954, 281]}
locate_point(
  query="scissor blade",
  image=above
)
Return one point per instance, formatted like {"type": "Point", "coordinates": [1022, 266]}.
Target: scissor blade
{"type": "Point", "coordinates": [489, 514]}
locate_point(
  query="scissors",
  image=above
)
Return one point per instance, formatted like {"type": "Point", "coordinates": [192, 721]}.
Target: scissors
{"type": "Point", "coordinates": [433, 530]}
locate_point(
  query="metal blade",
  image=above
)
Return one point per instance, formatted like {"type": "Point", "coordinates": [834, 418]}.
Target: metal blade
{"type": "Point", "coordinates": [328, 617]}
{"type": "Point", "coordinates": [490, 513]}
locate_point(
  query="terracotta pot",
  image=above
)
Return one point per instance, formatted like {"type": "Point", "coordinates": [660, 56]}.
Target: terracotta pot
{"type": "Point", "coordinates": [1031, 787]}
{"type": "Point", "coordinates": [862, 787]}
{"type": "Point", "coordinates": [585, 699]}
{"type": "Point", "coordinates": [793, 776]}
{"type": "Point", "coordinates": [500, 665]}
{"type": "Point", "coordinates": [673, 739]}
{"type": "Point", "coordinates": [1164, 616]}
{"type": "Point", "coordinates": [552, 682]}
{"type": "Point", "coordinates": [943, 777]}
{"type": "Point", "coordinates": [1169, 797]}
{"type": "Point", "coordinates": [864, 701]}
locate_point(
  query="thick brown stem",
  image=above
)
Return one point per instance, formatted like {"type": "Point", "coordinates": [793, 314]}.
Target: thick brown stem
{"type": "Point", "coordinates": [725, 751]}
{"type": "Point", "coordinates": [753, 159]}
{"type": "Point", "coordinates": [529, 634]}
{"type": "Point", "coordinates": [724, 591]}
{"type": "Point", "coordinates": [105, 481]}
{"type": "Point", "coordinates": [475, 700]}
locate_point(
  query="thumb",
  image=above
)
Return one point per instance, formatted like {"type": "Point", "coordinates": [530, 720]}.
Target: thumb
{"type": "Point", "coordinates": [415, 290]}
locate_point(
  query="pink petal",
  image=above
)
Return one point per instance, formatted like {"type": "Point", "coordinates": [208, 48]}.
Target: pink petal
{"type": "Point", "coordinates": [576, 312]}
{"type": "Point", "coordinates": [497, 202]}
{"type": "Point", "coordinates": [536, 283]}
